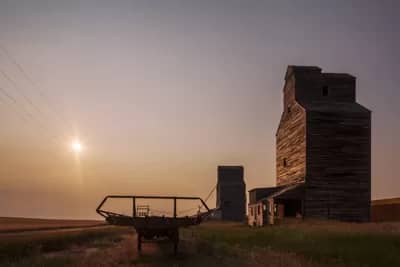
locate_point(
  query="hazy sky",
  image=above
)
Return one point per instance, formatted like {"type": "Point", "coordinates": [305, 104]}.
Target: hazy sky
{"type": "Point", "coordinates": [161, 92]}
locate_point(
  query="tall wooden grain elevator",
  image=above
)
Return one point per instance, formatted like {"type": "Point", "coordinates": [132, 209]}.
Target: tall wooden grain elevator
{"type": "Point", "coordinates": [323, 152]}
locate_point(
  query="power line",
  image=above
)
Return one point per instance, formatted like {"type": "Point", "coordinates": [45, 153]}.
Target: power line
{"type": "Point", "coordinates": [14, 103]}
{"type": "Point", "coordinates": [41, 119]}
{"type": "Point", "coordinates": [5, 102]}
{"type": "Point", "coordinates": [20, 91]}
{"type": "Point", "coordinates": [54, 112]}
{"type": "Point", "coordinates": [34, 84]}
{"type": "Point", "coordinates": [13, 60]}
{"type": "Point", "coordinates": [22, 112]}
{"type": "Point", "coordinates": [7, 95]}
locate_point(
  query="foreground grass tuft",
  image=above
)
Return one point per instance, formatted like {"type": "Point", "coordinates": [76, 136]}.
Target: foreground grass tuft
{"type": "Point", "coordinates": [351, 248]}
{"type": "Point", "coordinates": [13, 248]}
{"type": "Point", "coordinates": [41, 262]}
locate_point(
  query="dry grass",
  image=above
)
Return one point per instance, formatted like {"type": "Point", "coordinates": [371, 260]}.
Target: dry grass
{"type": "Point", "coordinates": [293, 244]}
{"type": "Point", "coordinates": [312, 243]}
{"type": "Point", "coordinates": [122, 253]}
{"type": "Point", "coordinates": [16, 246]}
{"type": "Point", "coordinates": [259, 257]}
{"type": "Point", "coordinates": [343, 227]}
{"type": "Point", "coordinates": [8, 224]}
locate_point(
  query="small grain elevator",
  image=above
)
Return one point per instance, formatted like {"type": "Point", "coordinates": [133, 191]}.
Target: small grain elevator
{"type": "Point", "coordinates": [231, 193]}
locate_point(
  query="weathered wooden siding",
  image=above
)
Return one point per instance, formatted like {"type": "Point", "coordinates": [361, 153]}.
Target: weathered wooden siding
{"type": "Point", "coordinates": [291, 140]}
{"type": "Point", "coordinates": [338, 183]}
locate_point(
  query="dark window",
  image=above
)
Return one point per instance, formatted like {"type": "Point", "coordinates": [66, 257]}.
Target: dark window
{"type": "Point", "coordinates": [258, 209]}
{"type": "Point", "coordinates": [284, 162]}
{"type": "Point", "coordinates": [325, 91]}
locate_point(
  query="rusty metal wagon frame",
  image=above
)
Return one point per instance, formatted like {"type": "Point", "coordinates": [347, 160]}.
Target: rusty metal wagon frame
{"type": "Point", "coordinates": [151, 227]}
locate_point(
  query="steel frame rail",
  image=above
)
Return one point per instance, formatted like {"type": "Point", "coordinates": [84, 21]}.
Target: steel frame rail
{"type": "Point", "coordinates": [106, 214]}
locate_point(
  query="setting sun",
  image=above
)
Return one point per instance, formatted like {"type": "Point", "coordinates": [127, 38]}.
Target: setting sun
{"type": "Point", "coordinates": [76, 146]}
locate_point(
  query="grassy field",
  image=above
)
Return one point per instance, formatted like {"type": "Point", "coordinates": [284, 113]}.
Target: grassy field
{"type": "Point", "coordinates": [295, 244]}
{"type": "Point", "coordinates": [36, 248]}
{"type": "Point", "coordinates": [307, 243]}
{"type": "Point", "coordinates": [8, 224]}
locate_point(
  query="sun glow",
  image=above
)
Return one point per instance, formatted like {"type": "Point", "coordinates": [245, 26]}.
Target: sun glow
{"type": "Point", "coordinates": [76, 146]}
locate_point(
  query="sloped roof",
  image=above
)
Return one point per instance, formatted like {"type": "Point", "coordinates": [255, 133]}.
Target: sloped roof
{"type": "Point", "coordinates": [286, 189]}
{"type": "Point", "coordinates": [256, 194]}
{"type": "Point", "coordinates": [282, 190]}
